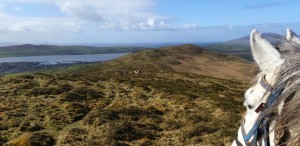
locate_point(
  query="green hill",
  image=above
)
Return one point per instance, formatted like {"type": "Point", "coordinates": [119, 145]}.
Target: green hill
{"type": "Point", "coordinates": [105, 104]}
{"type": "Point", "coordinates": [42, 50]}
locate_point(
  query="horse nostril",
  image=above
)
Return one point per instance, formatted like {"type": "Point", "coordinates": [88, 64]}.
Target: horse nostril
{"type": "Point", "coordinates": [250, 106]}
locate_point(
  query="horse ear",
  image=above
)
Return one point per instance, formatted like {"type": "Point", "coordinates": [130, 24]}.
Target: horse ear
{"type": "Point", "coordinates": [291, 36]}
{"type": "Point", "coordinates": [264, 54]}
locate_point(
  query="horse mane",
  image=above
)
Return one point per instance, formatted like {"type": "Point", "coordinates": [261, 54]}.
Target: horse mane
{"type": "Point", "coordinates": [287, 48]}
{"type": "Point", "coordinates": [288, 122]}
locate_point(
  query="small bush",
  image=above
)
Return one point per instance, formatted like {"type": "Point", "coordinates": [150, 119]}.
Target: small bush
{"type": "Point", "coordinates": [30, 127]}
{"type": "Point", "coordinates": [73, 135]}
{"type": "Point", "coordinates": [88, 93]}
{"type": "Point", "coordinates": [71, 97]}
{"type": "Point", "coordinates": [76, 111]}
{"type": "Point", "coordinates": [126, 132]}
{"type": "Point", "coordinates": [26, 76]}
{"type": "Point", "coordinates": [27, 85]}
{"type": "Point", "coordinates": [174, 62]}
{"type": "Point", "coordinates": [100, 117]}
{"type": "Point", "coordinates": [34, 139]}
{"type": "Point", "coordinates": [2, 140]}
{"type": "Point", "coordinates": [45, 91]}
{"type": "Point", "coordinates": [200, 129]}
{"type": "Point", "coordinates": [65, 87]}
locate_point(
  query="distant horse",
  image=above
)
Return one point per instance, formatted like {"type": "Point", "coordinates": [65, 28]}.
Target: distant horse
{"type": "Point", "coordinates": [273, 101]}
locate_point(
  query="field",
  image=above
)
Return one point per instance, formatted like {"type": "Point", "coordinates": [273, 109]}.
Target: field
{"type": "Point", "coordinates": [105, 104]}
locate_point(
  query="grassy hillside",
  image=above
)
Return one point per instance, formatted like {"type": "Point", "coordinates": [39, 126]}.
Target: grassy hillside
{"type": "Point", "coordinates": [92, 105]}
{"type": "Point", "coordinates": [38, 50]}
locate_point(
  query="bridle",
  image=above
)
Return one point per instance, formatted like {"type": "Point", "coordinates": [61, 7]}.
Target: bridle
{"type": "Point", "coordinates": [260, 128]}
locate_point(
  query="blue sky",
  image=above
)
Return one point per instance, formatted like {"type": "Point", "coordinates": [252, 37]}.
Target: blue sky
{"type": "Point", "coordinates": [135, 21]}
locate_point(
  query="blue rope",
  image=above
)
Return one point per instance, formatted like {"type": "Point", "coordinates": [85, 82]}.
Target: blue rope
{"type": "Point", "coordinates": [253, 130]}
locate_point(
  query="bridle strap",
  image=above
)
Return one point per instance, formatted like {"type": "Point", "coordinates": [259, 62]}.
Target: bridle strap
{"type": "Point", "coordinates": [263, 82]}
{"type": "Point", "coordinates": [253, 130]}
{"type": "Point", "coordinates": [274, 94]}
{"type": "Point", "coordinates": [261, 124]}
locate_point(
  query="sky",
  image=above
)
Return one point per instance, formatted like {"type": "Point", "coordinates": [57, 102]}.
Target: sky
{"type": "Point", "coordinates": [142, 21]}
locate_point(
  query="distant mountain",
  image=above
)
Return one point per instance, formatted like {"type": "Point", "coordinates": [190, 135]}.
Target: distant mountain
{"type": "Point", "coordinates": [241, 46]}
{"type": "Point", "coordinates": [273, 38]}
{"type": "Point", "coordinates": [38, 50]}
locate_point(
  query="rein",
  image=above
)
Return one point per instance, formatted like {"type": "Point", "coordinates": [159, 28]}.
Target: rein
{"type": "Point", "coordinates": [261, 126]}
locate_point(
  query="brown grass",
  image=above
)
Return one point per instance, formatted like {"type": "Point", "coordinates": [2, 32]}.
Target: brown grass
{"type": "Point", "coordinates": [95, 106]}
{"type": "Point", "coordinates": [33, 139]}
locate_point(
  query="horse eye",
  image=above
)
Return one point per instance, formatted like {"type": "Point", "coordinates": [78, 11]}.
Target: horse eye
{"type": "Point", "coordinates": [250, 106]}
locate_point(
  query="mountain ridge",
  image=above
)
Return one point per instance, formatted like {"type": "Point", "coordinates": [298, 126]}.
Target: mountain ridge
{"type": "Point", "coordinates": [241, 46]}
{"type": "Point", "coordinates": [271, 37]}
{"type": "Point", "coordinates": [43, 50]}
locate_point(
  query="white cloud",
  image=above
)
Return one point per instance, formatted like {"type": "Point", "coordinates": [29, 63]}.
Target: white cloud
{"type": "Point", "coordinates": [113, 14]}
{"type": "Point", "coordinates": [190, 26]}
{"type": "Point", "coordinates": [125, 15]}
{"type": "Point", "coordinates": [85, 19]}
{"type": "Point", "coordinates": [80, 10]}
{"type": "Point", "coordinates": [20, 27]}
{"type": "Point", "coordinates": [38, 24]}
{"type": "Point", "coordinates": [153, 24]}
{"type": "Point", "coordinates": [72, 26]}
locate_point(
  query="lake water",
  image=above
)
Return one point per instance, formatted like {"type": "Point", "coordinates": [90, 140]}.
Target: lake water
{"type": "Point", "coordinates": [55, 59]}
